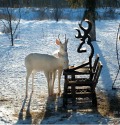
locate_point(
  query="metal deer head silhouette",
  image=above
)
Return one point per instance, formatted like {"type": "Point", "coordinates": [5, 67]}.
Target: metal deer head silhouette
{"type": "Point", "coordinates": [85, 38]}
{"type": "Point", "coordinates": [85, 35]}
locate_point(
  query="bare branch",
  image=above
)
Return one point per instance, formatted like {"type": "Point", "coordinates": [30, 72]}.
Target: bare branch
{"type": "Point", "coordinates": [18, 21]}
{"type": "Point", "coordinates": [117, 53]}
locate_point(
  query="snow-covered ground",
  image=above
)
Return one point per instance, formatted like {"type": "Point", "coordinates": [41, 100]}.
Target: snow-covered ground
{"type": "Point", "coordinates": [39, 36]}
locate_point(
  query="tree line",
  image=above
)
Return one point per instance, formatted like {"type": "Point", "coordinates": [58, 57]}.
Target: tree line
{"type": "Point", "coordinates": [52, 3]}
{"type": "Point", "coordinates": [89, 13]}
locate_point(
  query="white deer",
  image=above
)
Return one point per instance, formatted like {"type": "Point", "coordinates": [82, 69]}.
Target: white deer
{"type": "Point", "coordinates": [35, 62]}
{"type": "Point", "coordinates": [63, 51]}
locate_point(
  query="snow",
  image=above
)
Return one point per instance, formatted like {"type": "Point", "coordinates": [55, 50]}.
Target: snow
{"type": "Point", "coordinates": [39, 36]}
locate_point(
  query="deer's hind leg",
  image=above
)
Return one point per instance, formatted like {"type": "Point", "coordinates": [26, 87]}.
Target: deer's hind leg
{"type": "Point", "coordinates": [53, 80]}
{"type": "Point", "coordinates": [29, 71]}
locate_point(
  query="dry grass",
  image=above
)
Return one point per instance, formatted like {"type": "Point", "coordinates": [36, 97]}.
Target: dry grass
{"type": "Point", "coordinates": [108, 105]}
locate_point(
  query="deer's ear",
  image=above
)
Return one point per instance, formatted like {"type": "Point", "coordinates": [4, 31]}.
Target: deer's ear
{"type": "Point", "coordinates": [57, 42]}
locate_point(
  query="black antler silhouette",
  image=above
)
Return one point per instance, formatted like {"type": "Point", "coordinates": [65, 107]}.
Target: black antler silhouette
{"type": "Point", "coordinates": [85, 35]}
{"type": "Point", "coordinates": [86, 31]}
{"type": "Point", "coordinates": [83, 40]}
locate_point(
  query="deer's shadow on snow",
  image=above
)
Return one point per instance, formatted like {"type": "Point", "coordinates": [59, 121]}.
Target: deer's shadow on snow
{"type": "Point", "coordinates": [25, 116]}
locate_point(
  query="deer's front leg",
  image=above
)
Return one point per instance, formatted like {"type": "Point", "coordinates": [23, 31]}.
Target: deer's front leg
{"type": "Point", "coordinates": [53, 80]}
{"type": "Point", "coordinates": [48, 81]}
{"type": "Point", "coordinates": [59, 78]}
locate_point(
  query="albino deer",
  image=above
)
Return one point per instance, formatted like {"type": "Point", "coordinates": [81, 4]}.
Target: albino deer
{"type": "Point", "coordinates": [63, 51]}
{"type": "Point", "coordinates": [35, 62]}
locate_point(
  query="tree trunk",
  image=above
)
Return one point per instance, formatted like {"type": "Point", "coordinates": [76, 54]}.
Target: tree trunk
{"type": "Point", "coordinates": [93, 31]}
{"type": "Point", "coordinates": [90, 15]}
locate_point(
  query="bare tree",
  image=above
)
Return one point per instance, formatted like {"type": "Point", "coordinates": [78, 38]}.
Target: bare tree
{"type": "Point", "coordinates": [10, 23]}
{"type": "Point", "coordinates": [57, 10]}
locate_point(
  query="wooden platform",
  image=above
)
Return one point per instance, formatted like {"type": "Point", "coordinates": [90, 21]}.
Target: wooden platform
{"type": "Point", "coordinates": [83, 87]}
